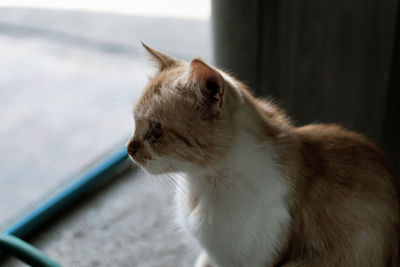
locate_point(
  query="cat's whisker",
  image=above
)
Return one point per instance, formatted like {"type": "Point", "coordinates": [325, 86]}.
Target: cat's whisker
{"type": "Point", "coordinates": [177, 184]}
{"type": "Point", "coordinates": [171, 182]}
{"type": "Point", "coordinates": [162, 181]}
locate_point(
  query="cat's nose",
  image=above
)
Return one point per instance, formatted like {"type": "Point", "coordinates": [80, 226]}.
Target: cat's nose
{"type": "Point", "coordinates": [133, 146]}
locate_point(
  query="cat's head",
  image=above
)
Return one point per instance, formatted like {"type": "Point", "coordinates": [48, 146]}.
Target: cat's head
{"type": "Point", "coordinates": [184, 117]}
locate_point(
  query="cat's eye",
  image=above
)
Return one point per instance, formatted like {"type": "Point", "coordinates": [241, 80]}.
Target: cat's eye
{"type": "Point", "coordinates": [157, 126]}
{"type": "Point", "coordinates": [157, 130]}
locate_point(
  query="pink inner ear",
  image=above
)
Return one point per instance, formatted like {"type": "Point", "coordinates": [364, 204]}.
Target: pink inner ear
{"type": "Point", "coordinates": [201, 72]}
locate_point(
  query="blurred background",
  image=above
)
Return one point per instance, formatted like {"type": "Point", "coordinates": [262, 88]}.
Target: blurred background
{"type": "Point", "coordinates": [71, 70]}
{"type": "Point", "coordinates": [69, 74]}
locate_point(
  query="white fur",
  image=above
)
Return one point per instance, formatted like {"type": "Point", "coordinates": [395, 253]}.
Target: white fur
{"type": "Point", "coordinates": [242, 215]}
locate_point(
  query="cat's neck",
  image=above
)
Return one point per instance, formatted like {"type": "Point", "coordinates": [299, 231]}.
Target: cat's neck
{"type": "Point", "coordinates": [232, 201]}
{"type": "Point", "coordinates": [248, 165]}
{"type": "Point", "coordinates": [262, 134]}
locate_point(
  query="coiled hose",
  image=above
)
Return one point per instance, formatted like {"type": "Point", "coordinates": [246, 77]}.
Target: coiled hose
{"type": "Point", "coordinates": [10, 242]}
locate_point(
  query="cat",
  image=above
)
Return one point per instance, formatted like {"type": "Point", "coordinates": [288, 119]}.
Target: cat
{"type": "Point", "coordinates": [254, 190]}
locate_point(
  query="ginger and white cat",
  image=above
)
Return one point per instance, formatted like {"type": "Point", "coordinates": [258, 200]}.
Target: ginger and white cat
{"type": "Point", "coordinates": [253, 189]}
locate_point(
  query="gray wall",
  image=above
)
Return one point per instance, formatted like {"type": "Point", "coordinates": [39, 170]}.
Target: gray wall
{"type": "Point", "coordinates": [324, 61]}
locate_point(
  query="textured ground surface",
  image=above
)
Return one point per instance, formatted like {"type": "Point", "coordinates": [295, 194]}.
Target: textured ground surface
{"type": "Point", "coordinates": [129, 223]}
{"type": "Point", "coordinates": [67, 83]}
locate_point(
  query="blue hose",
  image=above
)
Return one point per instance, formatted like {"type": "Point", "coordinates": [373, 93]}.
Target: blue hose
{"type": "Point", "coordinates": [25, 252]}
{"type": "Point", "coordinates": [10, 244]}
{"type": "Point", "coordinates": [69, 195]}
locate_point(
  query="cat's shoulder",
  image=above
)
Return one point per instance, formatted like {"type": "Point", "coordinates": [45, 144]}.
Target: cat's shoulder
{"type": "Point", "coordinates": [331, 134]}
{"type": "Point", "coordinates": [324, 130]}
{"type": "Point", "coordinates": [337, 140]}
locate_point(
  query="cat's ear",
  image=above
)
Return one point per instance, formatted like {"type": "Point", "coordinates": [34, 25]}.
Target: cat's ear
{"type": "Point", "coordinates": [210, 81]}
{"type": "Point", "coordinates": [161, 59]}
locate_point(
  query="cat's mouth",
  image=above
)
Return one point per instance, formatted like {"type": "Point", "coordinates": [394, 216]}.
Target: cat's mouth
{"type": "Point", "coordinates": [148, 165]}
{"type": "Point", "coordinates": [139, 161]}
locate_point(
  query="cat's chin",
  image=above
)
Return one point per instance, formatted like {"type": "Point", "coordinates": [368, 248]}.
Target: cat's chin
{"type": "Point", "coordinates": [154, 170]}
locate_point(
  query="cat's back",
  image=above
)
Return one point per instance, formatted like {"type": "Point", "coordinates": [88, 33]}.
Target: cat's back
{"type": "Point", "coordinates": [344, 163]}
{"type": "Point", "coordinates": [334, 146]}
{"type": "Point", "coordinates": [346, 197]}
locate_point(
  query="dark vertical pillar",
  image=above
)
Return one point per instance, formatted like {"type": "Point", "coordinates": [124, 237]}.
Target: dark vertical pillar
{"type": "Point", "coordinates": [335, 59]}
{"type": "Point", "coordinates": [391, 123]}
{"type": "Point", "coordinates": [269, 69]}
{"type": "Point", "coordinates": [323, 60]}
{"type": "Point", "coordinates": [236, 37]}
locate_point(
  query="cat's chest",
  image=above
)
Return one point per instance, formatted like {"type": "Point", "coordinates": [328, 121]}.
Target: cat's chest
{"type": "Point", "coordinates": [243, 227]}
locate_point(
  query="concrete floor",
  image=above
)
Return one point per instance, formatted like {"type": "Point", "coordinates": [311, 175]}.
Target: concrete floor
{"type": "Point", "coordinates": [67, 83]}
{"type": "Point", "coordinates": [129, 223]}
